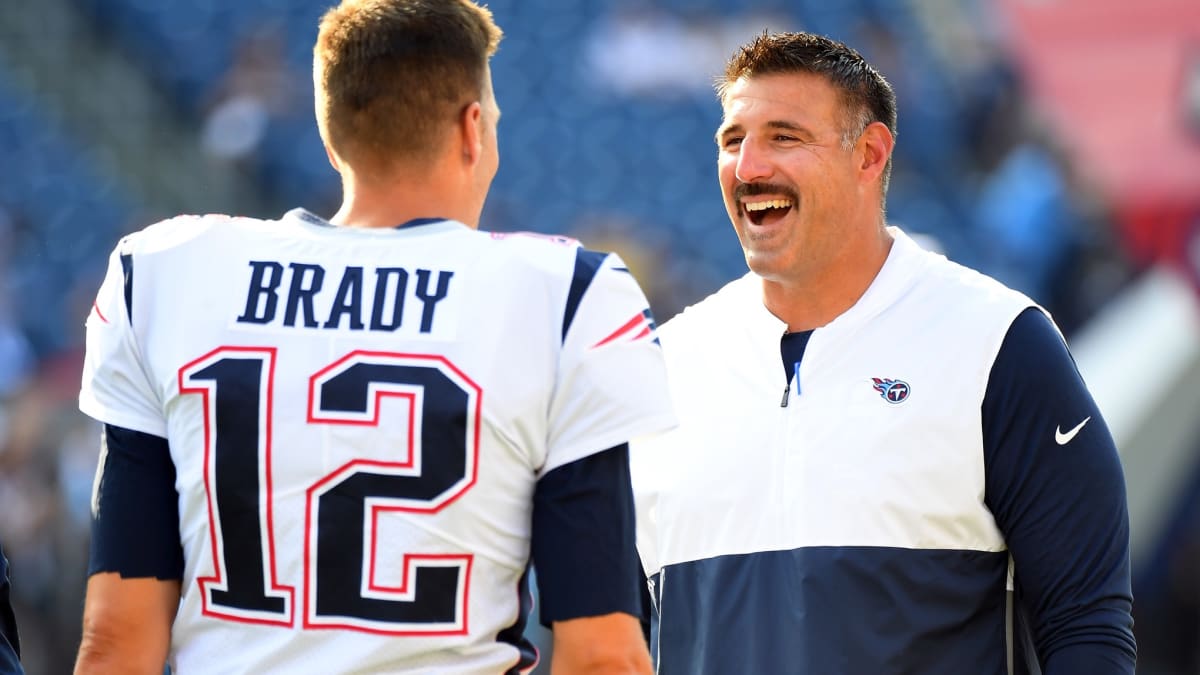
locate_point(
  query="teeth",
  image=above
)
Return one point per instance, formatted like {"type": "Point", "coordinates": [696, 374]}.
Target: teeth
{"type": "Point", "coordinates": [771, 204]}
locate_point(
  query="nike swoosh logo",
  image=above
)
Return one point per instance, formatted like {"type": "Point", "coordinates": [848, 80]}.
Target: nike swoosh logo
{"type": "Point", "coordinates": [1063, 439]}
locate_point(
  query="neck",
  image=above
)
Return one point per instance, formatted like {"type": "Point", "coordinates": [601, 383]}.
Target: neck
{"type": "Point", "coordinates": [399, 199]}
{"type": "Point", "coordinates": [817, 299]}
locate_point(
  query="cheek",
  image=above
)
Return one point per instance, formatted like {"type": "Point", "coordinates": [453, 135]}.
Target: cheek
{"type": "Point", "coordinates": [727, 177]}
{"type": "Point", "coordinates": [726, 167]}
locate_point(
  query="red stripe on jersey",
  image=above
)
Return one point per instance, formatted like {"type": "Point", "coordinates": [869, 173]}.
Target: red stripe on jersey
{"type": "Point", "coordinates": [96, 307]}
{"type": "Point", "coordinates": [638, 318]}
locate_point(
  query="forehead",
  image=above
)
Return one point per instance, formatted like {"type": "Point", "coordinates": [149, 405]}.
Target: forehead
{"type": "Point", "coordinates": [804, 98]}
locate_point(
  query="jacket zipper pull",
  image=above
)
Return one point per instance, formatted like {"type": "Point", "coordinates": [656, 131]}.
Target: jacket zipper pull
{"type": "Point", "coordinates": [788, 388]}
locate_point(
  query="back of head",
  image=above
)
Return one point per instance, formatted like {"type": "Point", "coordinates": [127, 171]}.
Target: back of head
{"type": "Point", "coordinates": [391, 76]}
{"type": "Point", "coordinates": [867, 96]}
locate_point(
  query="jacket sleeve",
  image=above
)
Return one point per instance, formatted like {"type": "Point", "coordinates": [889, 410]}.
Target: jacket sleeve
{"type": "Point", "coordinates": [1057, 491]}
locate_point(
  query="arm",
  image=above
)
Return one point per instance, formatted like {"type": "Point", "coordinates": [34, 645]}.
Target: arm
{"type": "Point", "coordinates": [1059, 499]}
{"type": "Point", "coordinates": [136, 560]}
{"type": "Point", "coordinates": [126, 624]}
{"type": "Point", "coordinates": [612, 643]}
{"type": "Point", "coordinates": [589, 576]}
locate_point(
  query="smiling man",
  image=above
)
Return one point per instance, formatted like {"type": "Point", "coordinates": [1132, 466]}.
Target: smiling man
{"type": "Point", "coordinates": [934, 492]}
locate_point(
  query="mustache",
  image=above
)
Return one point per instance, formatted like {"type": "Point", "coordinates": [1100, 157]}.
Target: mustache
{"type": "Point", "coordinates": [744, 190]}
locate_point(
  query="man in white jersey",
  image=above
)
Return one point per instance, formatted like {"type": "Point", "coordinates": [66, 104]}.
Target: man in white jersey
{"type": "Point", "coordinates": [886, 463]}
{"type": "Point", "coordinates": [336, 446]}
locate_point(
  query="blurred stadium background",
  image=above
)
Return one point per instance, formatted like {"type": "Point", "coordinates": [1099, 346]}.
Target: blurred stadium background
{"type": "Point", "coordinates": [1054, 144]}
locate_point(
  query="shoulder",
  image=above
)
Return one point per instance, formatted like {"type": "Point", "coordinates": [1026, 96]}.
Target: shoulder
{"type": "Point", "coordinates": [951, 298]}
{"type": "Point", "coordinates": [721, 308]}
{"type": "Point", "coordinates": [531, 251]}
{"type": "Point", "coordinates": [533, 245]}
{"type": "Point", "coordinates": [179, 231]}
{"type": "Point", "coordinates": [953, 279]}
{"type": "Point", "coordinates": [940, 274]}
{"type": "Point", "coordinates": [551, 256]}
{"type": "Point", "coordinates": [1035, 348]}
{"type": "Point", "coordinates": [962, 315]}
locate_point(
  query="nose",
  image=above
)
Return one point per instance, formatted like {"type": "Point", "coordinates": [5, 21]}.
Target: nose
{"type": "Point", "coordinates": [752, 162]}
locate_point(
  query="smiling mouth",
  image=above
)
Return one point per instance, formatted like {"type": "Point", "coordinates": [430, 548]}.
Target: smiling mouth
{"type": "Point", "coordinates": [767, 211]}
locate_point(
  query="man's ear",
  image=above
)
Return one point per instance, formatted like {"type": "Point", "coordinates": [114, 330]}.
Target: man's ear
{"type": "Point", "coordinates": [470, 126]}
{"type": "Point", "coordinates": [875, 146]}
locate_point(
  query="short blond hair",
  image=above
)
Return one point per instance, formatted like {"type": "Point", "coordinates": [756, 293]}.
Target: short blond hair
{"type": "Point", "coordinates": [391, 76]}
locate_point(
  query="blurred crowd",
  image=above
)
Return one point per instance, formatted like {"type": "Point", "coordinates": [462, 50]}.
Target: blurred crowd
{"type": "Point", "coordinates": [607, 136]}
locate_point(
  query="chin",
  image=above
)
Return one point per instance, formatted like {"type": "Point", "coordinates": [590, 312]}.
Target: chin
{"type": "Point", "coordinates": [762, 265]}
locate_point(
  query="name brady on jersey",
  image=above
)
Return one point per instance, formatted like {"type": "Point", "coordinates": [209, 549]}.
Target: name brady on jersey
{"type": "Point", "coordinates": [317, 298]}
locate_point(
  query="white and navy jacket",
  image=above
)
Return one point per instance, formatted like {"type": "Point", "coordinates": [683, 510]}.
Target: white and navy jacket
{"type": "Point", "coordinates": [935, 450]}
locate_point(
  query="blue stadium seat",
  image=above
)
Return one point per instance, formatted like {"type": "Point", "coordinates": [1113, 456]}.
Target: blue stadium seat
{"type": "Point", "coordinates": [72, 212]}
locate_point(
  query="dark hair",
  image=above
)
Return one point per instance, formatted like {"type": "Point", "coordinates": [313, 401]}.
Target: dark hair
{"type": "Point", "coordinates": [391, 75]}
{"type": "Point", "coordinates": [865, 93]}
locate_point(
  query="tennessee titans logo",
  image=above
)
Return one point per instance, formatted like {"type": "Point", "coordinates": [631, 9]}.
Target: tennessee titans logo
{"type": "Point", "coordinates": [892, 391]}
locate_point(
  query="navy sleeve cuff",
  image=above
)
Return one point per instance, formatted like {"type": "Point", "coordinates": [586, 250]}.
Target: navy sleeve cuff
{"type": "Point", "coordinates": [135, 524]}
{"type": "Point", "coordinates": [584, 548]}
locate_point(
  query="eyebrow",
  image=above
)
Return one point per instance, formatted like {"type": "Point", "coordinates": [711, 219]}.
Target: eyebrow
{"type": "Point", "coordinates": [773, 124]}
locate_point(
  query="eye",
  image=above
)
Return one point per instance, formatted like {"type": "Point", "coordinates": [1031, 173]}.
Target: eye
{"type": "Point", "coordinates": [731, 142]}
{"type": "Point", "coordinates": [784, 138]}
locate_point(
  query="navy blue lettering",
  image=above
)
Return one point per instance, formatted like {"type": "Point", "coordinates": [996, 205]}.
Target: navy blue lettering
{"type": "Point", "coordinates": [264, 283]}
{"type": "Point", "coordinates": [430, 301]}
{"type": "Point", "coordinates": [348, 300]}
{"type": "Point", "coordinates": [306, 296]}
{"type": "Point", "coordinates": [301, 295]}
{"type": "Point", "coordinates": [382, 275]}
{"type": "Point", "coordinates": [341, 510]}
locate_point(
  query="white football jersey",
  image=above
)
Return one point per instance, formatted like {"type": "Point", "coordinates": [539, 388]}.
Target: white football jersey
{"type": "Point", "coordinates": [358, 418]}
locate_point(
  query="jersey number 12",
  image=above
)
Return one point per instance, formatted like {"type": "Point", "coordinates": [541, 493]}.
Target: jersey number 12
{"type": "Point", "coordinates": [341, 507]}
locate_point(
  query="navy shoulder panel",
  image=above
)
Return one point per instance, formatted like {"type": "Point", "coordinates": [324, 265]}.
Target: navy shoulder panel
{"type": "Point", "coordinates": [127, 268]}
{"type": "Point", "coordinates": [587, 265]}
